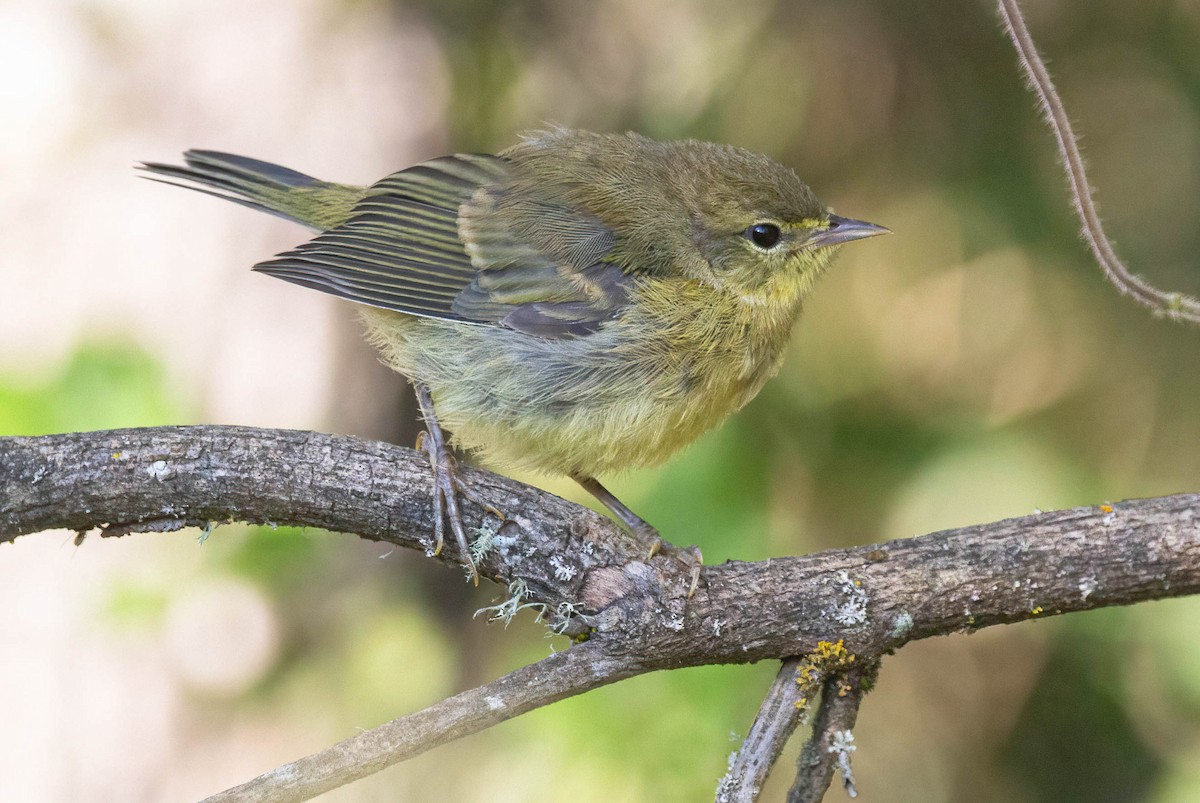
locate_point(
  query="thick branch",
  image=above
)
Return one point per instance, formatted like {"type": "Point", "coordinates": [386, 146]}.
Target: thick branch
{"type": "Point", "coordinates": [876, 598]}
{"type": "Point", "coordinates": [123, 481]}
{"type": "Point", "coordinates": [873, 598]}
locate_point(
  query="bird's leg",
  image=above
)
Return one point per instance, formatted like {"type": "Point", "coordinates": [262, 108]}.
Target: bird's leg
{"type": "Point", "coordinates": [690, 556]}
{"type": "Point", "coordinates": [446, 484]}
{"type": "Point", "coordinates": [632, 521]}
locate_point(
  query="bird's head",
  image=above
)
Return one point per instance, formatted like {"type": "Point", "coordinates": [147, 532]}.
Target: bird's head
{"type": "Point", "coordinates": [729, 218]}
{"type": "Point", "coordinates": [757, 230]}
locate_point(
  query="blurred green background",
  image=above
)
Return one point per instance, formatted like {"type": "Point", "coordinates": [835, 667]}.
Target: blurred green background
{"type": "Point", "coordinates": [973, 366]}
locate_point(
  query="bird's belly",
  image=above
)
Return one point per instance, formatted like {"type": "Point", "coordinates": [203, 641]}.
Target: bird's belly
{"type": "Point", "coordinates": [588, 405]}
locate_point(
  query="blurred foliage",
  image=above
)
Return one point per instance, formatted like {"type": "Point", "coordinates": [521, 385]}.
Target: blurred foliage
{"type": "Point", "coordinates": [100, 387]}
{"type": "Point", "coordinates": [1080, 692]}
{"type": "Point", "coordinates": [973, 366]}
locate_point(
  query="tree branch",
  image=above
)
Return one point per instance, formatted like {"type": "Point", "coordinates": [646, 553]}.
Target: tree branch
{"type": "Point", "coordinates": [1172, 305]}
{"type": "Point", "coordinates": [871, 599]}
{"type": "Point", "coordinates": [123, 481]}
{"type": "Point", "coordinates": [777, 718]}
{"type": "Point", "coordinates": [562, 675]}
{"type": "Point", "coordinates": [832, 741]}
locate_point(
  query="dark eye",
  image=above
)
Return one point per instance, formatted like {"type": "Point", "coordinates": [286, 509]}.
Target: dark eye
{"type": "Point", "coordinates": [764, 235]}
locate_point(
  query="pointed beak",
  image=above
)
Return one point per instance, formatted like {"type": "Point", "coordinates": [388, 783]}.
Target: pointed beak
{"type": "Point", "coordinates": [843, 230]}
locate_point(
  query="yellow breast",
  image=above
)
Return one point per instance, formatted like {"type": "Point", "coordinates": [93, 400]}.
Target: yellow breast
{"type": "Point", "coordinates": [678, 361]}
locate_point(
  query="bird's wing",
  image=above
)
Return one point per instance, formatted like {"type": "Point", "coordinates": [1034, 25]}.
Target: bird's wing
{"type": "Point", "coordinates": [456, 239]}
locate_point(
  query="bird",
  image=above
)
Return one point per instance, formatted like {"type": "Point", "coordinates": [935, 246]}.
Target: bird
{"type": "Point", "coordinates": [577, 304]}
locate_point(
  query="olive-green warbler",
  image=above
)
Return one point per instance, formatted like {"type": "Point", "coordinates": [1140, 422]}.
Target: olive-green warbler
{"type": "Point", "coordinates": [579, 303]}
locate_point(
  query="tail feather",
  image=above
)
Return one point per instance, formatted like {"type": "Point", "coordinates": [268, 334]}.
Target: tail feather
{"type": "Point", "coordinates": [260, 185]}
{"type": "Point", "coordinates": [224, 165]}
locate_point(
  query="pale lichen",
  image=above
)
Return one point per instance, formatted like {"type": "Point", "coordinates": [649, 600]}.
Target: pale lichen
{"type": "Point", "coordinates": [852, 608]}
{"type": "Point", "coordinates": [563, 571]}
{"type": "Point", "coordinates": [484, 540]}
{"type": "Point", "coordinates": [159, 470]}
{"type": "Point", "coordinates": [562, 617]}
{"type": "Point", "coordinates": [504, 612]}
{"type": "Point", "coordinates": [205, 531]}
{"type": "Point", "coordinates": [727, 787]}
{"type": "Point", "coordinates": [902, 625]}
{"type": "Point", "coordinates": [841, 745]}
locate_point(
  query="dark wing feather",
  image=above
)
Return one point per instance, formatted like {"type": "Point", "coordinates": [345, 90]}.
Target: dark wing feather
{"type": "Point", "coordinates": [399, 248]}
{"type": "Point", "coordinates": [454, 239]}
{"type": "Point", "coordinates": [608, 292]}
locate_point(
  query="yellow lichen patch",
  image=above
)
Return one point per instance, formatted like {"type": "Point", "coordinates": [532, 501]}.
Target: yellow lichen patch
{"type": "Point", "coordinates": [819, 664]}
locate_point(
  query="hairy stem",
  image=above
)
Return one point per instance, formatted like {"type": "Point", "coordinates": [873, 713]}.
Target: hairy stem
{"type": "Point", "coordinates": [1171, 305]}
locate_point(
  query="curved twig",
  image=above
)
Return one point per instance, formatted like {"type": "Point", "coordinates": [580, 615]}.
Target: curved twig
{"type": "Point", "coordinates": [1171, 305]}
{"type": "Point", "coordinates": [565, 674]}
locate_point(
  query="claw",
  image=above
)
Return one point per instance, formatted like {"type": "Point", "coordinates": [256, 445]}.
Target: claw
{"type": "Point", "coordinates": [469, 492]}
{"type": "Point", "coordinates": [694, 558]}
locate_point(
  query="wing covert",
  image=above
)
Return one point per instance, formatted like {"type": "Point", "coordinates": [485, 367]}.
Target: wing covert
{"type": "Point", "coordinates": [457, 238]}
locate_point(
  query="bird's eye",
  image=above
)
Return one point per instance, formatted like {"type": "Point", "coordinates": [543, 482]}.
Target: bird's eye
{"type": "Point", "coordinates": [764, 235]}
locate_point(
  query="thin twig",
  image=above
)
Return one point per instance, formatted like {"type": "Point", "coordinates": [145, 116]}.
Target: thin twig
{"type": "Point", "coordinates": [777, 718]}
{"type": "Point", "coordinates": [1171, 305]}
{"type": "Point", "coordinates": [557, 677]}
{"type": "Point", "coordinates": [832, 740]}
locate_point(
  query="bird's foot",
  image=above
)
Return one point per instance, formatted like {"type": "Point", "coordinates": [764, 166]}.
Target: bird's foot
{"type": "Point", "coordinates": [690, 556]}
{"type": "Point", "coordinates": [447, 486]}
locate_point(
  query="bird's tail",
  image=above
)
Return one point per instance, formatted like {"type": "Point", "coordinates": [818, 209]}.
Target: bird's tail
{"type": "Point", "coordinates": [261, 185]}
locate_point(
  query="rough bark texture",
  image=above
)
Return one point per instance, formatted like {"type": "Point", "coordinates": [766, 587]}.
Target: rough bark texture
{"type": "Point", "coordinates": [874, 598]}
